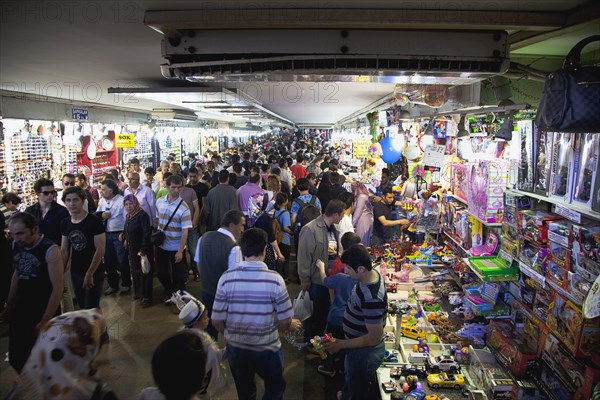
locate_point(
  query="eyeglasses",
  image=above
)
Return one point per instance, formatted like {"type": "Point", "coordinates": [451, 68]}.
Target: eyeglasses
{"type": "Point", "coordinates": [68, 183]}
{"type": "Point", "coordinates": [47, 193]}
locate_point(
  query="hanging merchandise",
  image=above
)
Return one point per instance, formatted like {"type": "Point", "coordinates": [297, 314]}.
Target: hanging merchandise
{"type": "Point", "coordinates": [95, 157]}
{"type": "Point", "coordinates": [142, 150]}
{"type": "Point", "coordinates": [373, 118]}
{"type": "Point", "coordinates": [391, 148]}
{"type": "Point", "coordinates": [28, 160]}
{"type": "Point", "coordinates": [569, 101]}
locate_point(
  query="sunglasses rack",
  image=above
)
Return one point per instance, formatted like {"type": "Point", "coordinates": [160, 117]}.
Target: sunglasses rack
{"type": "Point", "coordinates": [28, 161]}
{"type": "Point", "coordinates": [142, 150]}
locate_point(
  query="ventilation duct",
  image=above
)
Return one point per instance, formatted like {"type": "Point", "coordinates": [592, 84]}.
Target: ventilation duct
{"type": "Point", "coordinates": [388, 56]}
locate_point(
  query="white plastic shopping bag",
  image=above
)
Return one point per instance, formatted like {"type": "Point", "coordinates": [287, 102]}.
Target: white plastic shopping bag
{"type": "Point", "coordinates": [303, 306]}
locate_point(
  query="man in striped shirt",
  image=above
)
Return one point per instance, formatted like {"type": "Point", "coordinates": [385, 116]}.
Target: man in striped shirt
{"type": "Point", "coordinates": [251, 304]}
{"type": "Point", "coordinates": [169, 255]}
{"type": "Point", "coordinates": [364, 320]}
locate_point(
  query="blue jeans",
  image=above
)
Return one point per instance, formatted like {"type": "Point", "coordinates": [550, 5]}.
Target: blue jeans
{"type": "Point", "coordinates": [208, 300]}
{"type": "Point", "coordinates": [245, 364]}
{"type": "Point", "coordinates": [361, 365]}
{"type": "Point", "coordinates": [315, 325]}
{"type": "Point", "coordinates": [88, 298]}
{"type": "Point", "coordinates": [115, 260]}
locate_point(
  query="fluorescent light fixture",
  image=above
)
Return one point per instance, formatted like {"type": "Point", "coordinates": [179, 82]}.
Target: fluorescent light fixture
{"type": "Point", "coordinates": [174, 114]}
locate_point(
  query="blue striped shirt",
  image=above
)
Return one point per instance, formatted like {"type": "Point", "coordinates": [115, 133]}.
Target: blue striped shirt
{"type": "Point", "coordinates": [252, 299]}
{"type": "Point", "coordinates": [181, 220]}
{"type": "Point", "coordinates": [367, 305]}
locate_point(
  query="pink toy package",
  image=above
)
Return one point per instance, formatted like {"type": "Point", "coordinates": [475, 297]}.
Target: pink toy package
{"type": "Point", "coordinates": [487, 249]}
{"type": "Point", "coordinates": [486, 190]}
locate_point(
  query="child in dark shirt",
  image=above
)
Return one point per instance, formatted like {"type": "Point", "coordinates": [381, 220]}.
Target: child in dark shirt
{"type": "Point", "coordinates": [340, 286]}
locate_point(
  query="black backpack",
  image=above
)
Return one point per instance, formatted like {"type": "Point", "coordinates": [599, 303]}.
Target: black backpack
{"type": "Point", "coordinates": [308, 211]}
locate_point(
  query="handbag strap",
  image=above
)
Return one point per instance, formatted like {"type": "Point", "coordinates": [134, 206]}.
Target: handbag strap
{"type": "Point", "coordinates": [573, 59]}
{"type": "Point", "coordinates": [172, 215]}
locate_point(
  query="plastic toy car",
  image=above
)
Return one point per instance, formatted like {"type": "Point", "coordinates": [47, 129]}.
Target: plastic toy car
{"type": "Point", "coordinates": [432, 307]}
{"type": "Point", "coordinates": [443, 363]}
{"type": "Point", "coordinates": [391, 287]}
{"type": "Point", "coordinates": [411, 331]}
{"type": "Point", "coordinates": [444, 380]}
{"type": "Point", "coordinates": [412, 369]}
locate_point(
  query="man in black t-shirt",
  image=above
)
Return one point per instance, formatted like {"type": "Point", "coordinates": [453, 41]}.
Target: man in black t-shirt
{"type": "Point", "coordinates": [384, 227]}
{"type": "Point", "coordinates": [84, 241]}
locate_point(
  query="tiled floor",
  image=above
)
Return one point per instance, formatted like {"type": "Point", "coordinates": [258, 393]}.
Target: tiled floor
{"type": "Point", "coordinates": [134, 334]}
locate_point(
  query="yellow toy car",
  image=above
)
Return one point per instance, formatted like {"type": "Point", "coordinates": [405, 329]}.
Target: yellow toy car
{"type": "Point", "coordinates": [444, 380]}
{"type": "Point", "coordinates": [411, 331]}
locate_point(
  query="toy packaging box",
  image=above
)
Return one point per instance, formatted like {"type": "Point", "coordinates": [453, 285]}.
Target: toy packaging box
{"type": "Point", "coordinates": [580, 336]}
{"type": "Point", "coordinates": [486, 190]}
{"type": "Point", "coordinates": [587, 169]}
{"type": "Point", "coordinates": [534, 224]}
{"type": "Point", "coordinates": [559, 254]}
{"type": "Point", "coordinates": [460, 181]}
{"type": "Point", "coordinates": [527, 155]}
{"type": "Point", "coordinates": [543, 162]}
{"type": "Point", "coordinates": [482, 298]}
{"type": "Point", "coordinates": [561, 232]}
{"type": "Point", "coordinates": [510, 350]}
{"type": "Point", "coordinates": [557, 273]}
{"type": "Point", "coordinates": [534, 254]}
{"type": "Point", "coordinates": [563, 169]}
{"type": "Point", "coordinates": [568, 369]}
{"type": "Point", "coordinates": [586, 241]}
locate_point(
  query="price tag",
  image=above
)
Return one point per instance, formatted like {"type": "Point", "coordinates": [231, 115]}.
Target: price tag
{"type": "Point", "coordinates": [532, 274]}
{"type": "Point", "coordinates": [569, 214]}
{"type": "Point", "coordinates": [125, 140]}
{"type": "Point", "coordinates": [433, 157]}
{"type": "Point", "coordinates": [79, 114]}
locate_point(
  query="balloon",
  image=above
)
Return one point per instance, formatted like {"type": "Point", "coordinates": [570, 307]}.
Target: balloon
{"type": "Point", "coordinates": [391, 149]}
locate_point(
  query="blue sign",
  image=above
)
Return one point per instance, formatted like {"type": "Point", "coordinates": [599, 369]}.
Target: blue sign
{"type": "Point", "coordinates": [79, 114]}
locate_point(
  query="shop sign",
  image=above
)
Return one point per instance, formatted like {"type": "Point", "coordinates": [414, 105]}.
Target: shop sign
{"type": "Point", "coordinates": [125, 140]}
{"type": "Point", "coordinates": [360, 148]}
{"type": "Point", "coordinates": [79, 114]}
{"type": "Point", "coordinates": [433, 157]}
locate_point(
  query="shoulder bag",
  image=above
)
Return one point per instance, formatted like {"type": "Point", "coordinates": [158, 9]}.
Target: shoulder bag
{"type": "Point", "coordinates": [569, 101]}
{"type": "Point", "coordinates": [159, 237]}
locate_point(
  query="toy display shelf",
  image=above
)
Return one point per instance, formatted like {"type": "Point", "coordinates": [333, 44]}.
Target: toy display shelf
{"type": "Point", "coordinates": [533, 274]}
{"type": "Point", "coordinates": [572, 207]}
{"type": "Point", "coordinates": [465, 202]}
{"type": "Point", "coordinates": [458, 245]}
{"type": "Point", "coordinates": [485, 223]}
{"type": "Point", "coordinates": [493, 269]}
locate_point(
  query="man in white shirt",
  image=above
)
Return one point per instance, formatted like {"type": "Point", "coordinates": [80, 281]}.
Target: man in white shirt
{"type": "Point", "coordinates": [115, 259]}
{"type": "Point", "coordinates": [144, 195]}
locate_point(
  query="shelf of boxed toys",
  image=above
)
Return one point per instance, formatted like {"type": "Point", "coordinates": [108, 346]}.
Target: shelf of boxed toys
{"type": "Point", "coordinates": [586, 212]}
{"type": "Point", "coordinates": [456, 242]}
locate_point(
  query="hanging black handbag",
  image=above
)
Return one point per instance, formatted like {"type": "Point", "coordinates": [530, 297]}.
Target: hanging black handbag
{"type": "Point", "coordinates": [571, 98]}
{"type": "Point", "coordinates": [159, 237]}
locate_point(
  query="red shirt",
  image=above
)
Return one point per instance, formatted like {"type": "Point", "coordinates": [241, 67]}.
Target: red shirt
{"type": "Point", "coordinates": [337, 266]}
{"type": "Point", "coordinates": [298, 171]}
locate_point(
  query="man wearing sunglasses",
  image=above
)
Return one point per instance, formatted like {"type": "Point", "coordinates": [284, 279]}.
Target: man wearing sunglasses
{"type": "Point", "coordinates": [46, 211]}
{"type": "Point", "coordinates": [49, 215]}
{"type": "Point", "coordinates": [68, 180]}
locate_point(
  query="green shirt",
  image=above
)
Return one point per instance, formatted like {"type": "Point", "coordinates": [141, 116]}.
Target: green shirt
{"type": "Point", "coordinates": [162, 193]}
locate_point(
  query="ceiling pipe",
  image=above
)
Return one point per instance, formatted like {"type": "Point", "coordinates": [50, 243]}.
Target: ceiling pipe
{"type": "Point", "coordinates": [519, 70]}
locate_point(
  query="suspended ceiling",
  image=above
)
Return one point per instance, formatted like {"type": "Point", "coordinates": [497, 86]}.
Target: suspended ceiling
{"type": "Point", "coordinates": [77, 50]}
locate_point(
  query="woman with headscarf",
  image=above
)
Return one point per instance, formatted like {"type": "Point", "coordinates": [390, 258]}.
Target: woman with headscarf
{"type": "Point", "coordinates": [362, 217]}
{"type": "Point", "coordinates": [136, 235]}
{"type": "Point", "coordinates": [61, 364]}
